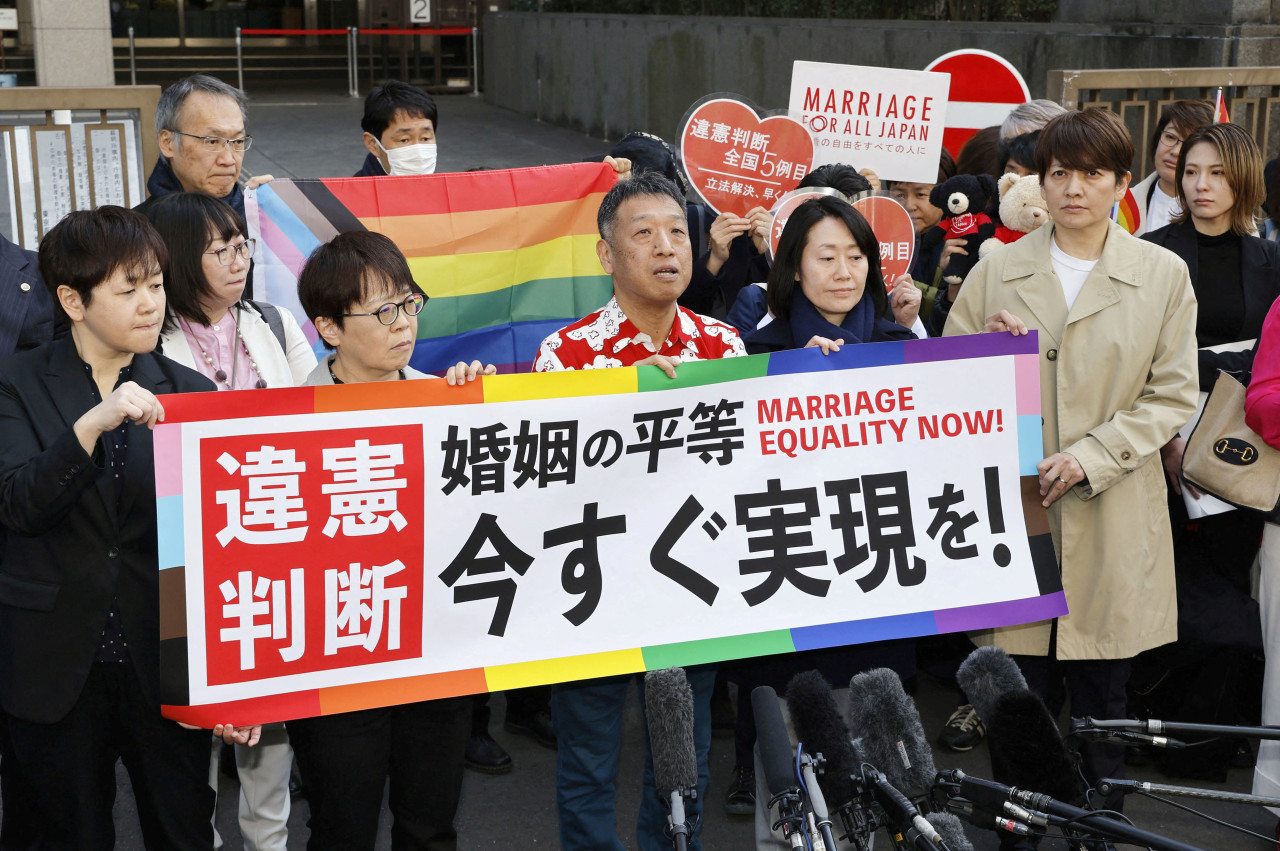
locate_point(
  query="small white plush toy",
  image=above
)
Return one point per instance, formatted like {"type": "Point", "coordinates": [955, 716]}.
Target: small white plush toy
{"type": "Point", "coordinates": [1022, 210]}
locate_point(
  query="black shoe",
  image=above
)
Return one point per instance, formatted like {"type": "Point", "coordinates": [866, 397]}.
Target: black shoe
{"type": "Point", "coordinates": [486, 756]}
{"type": "Point", "coordinates": [963, 731]}
{"type": "Point", "coordinates": [536, 726]}
{"type": "Point", "coordinates": [740, 800]}
{"type": "Point", "coordinates": [1243, 756]}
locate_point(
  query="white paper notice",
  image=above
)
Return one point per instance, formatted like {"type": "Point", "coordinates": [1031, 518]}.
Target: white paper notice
{"type": "Point", "coordinates": [108, 166]}
{"type": "Point", "coordinates": [53, 177]}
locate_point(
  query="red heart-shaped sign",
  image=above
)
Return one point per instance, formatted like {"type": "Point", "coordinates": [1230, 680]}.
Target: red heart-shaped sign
{"type": "Point", "coordinates": [891, 223]}
{"type": "Point", "coordinates": [737, 161]}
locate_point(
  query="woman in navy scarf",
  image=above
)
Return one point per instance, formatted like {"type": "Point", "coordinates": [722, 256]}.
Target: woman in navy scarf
{"type": "Point", "coordinates": [829, 251]}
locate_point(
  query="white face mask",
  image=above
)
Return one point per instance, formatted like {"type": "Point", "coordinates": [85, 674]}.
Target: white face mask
{"type": "Point", "coordinates": [412, 159]}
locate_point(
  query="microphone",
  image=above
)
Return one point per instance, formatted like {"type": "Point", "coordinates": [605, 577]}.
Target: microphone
{"type": "Point", "coordinates": [951, 831]}
{"type": "Point", "coordinates": [815, 716]}
{"type": "Point", "coordinates": [668, 702]}
{"type": "Point", "coordinates": [1027, 750]}
{"type": "Point", "coordinates": [987, 674]}
{"type": "Point", "coordinates": [776, 759]}
{"type": "Point", "coordinates": [897, 760]}
{"type": "Point", "coordinates": [887, 724]}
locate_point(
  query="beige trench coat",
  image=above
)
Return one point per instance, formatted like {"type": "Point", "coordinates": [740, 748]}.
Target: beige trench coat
{"type": "Point", "coordinates": [1117, 380]}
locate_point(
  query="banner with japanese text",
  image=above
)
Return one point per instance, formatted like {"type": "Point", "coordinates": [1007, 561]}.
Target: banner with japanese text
{"type": "Point", "coordinates": [324, 549]}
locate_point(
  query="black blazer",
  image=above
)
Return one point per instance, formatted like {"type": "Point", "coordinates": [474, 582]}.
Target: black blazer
{"type": "Point", "coordinates": [69, 549]}
{"type": "Point", "coordinates": [26, 315]}
{"type": "Point", "coordinates": [1260, 269]}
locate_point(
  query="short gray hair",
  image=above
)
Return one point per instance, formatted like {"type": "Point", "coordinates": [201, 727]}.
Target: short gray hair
{"type": "Point", "coordinates": [640, 183]}
{"type": "Point", "coordinates": [1029, 117]}
{"type": "Point", "coordinates": [169, 108]}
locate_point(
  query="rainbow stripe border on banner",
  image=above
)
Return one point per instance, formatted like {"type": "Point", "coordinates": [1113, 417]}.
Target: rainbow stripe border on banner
{"type": "Point", "coordinates": [196, 407]}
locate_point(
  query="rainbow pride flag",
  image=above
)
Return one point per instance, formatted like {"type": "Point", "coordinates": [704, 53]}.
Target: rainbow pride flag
{"type": "Point", "coordinates": [507, 257]}
{"type": "Point", "coordinates": [1126, 213]}
{"type": "Point", "coordinates": [1221, 114]}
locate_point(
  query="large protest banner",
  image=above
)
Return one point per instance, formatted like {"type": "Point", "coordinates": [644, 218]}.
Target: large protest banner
{"type": "Point", "coordinates": [507, 257]}
{"type": "Point", "coordinates": [331, 548]}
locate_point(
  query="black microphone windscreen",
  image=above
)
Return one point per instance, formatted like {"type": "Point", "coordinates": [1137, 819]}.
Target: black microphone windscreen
{"type": "Point", "coordinates": [819, 726]}
{"type": "Point", "coordinates": [887, 724]}
{"type": "Point", "coordinates": [951, 830]}
{"type": "Point", "coordinates": [987, 674]}
{"type": "Point", "coordinates": [776, 755]}
{"type": "Point", "coordinates": [668, 702]}
{"type": "Point", "coordinates": [1027, 750]}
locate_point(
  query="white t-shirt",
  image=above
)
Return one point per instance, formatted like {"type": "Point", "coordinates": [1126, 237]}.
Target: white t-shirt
{"type": "Point", "coordinates": [1162, 209]}
{"type": "Point", "coordinates": [1071, 271]}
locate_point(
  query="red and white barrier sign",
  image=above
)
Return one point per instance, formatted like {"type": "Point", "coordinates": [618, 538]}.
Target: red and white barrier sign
{"type": "Point", "coordinates": [984, 87]}
{"type": "Point", "coordinates": [736, 160]}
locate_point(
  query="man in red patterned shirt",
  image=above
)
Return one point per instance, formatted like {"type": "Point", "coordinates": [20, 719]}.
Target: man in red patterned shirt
{"type": "Point", "coordinates": [644, 245]}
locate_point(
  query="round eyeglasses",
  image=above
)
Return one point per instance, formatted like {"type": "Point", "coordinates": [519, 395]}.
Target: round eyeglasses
{"type": "Point", "coordinates": [390, 312]}
{"type": "Point", "coordinates": [227, 253]}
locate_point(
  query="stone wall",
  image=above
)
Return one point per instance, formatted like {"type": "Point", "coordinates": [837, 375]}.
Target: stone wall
{"type": "Point", "coordinates": [610, 74]}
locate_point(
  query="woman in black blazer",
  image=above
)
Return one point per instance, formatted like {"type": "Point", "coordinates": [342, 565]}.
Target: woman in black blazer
{"type": "Point", "coordinates": [79, 575]}
{"type": "Point", "coordinates": [1236, 277]}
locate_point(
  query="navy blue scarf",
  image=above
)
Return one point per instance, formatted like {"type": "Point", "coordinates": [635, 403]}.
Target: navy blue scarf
{"type": "Point", "coordinates": [163, 182]}
{"type": "Point", "coordinates": [857, 327]}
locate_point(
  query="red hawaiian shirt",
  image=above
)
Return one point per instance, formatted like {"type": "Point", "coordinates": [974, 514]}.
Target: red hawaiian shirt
{"type": "Point", "coordinates": [608, 338]}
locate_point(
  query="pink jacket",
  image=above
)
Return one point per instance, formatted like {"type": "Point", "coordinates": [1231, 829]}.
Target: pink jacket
{"type": "Point", "coordinates": [1262, 403]}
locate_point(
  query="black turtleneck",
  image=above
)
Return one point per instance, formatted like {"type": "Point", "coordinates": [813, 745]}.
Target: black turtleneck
{"type": "Point", "coordinates": [1219, 289]}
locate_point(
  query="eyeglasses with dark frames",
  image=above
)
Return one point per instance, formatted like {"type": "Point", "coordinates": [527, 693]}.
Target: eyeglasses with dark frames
{"type": "Point", "coordinates": [227, 253]}
{"type": "Point", "coordinates": [218, 144]}
{"type": "Point", "coordinates": [390, 312]}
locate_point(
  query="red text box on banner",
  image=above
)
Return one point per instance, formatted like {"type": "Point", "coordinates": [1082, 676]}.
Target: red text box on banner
{"type": "Point", "coordinates": [312, 546]}
{"type": "Point", "coordinates": [737, 161]}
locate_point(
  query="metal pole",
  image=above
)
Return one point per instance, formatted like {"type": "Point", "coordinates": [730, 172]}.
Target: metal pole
{"type": "Point", "coordinates": [475, 63]}
{"type": "Point", "coordinates": [239, 61]}
{"type": "Point", "coordinates": [353, 62]}
{"type": "Point", "coordinates": [133, 64]}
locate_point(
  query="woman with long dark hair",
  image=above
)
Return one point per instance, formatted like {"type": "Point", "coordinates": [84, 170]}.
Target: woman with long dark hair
{"type": "Point", "coordinates": [209, 326]}
{"type": "Point", "coordinates": [825, 287]}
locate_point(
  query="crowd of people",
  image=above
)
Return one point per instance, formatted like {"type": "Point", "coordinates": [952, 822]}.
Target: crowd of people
{"type": "Point", "coordinates": [121, 306]}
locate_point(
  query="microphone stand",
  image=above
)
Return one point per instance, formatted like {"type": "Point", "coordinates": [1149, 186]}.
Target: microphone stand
{"type": "Point", "coordinates": [677, 824]}
{"type": "Point", "coordinates": [1157, 728]}
{"type": "Point", "coordinates": [1064, 815]}
{"type": "Point", "coordinates": [810, 767]}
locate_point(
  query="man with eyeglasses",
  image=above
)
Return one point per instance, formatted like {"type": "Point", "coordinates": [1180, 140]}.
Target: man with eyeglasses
{"type": "Point", "coordinates": [200, 121]}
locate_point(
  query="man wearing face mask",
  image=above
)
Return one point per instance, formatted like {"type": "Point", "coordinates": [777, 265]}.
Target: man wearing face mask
{"type": "Point", "coordinates": [399, 131]}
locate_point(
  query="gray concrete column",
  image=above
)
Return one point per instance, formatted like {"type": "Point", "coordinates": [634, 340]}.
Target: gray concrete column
{"type": "Point", "coordinates": [72, 41]}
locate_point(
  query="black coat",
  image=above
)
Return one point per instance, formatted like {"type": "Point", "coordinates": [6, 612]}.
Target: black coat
{"type": "Point", "coordinates": [27, 316]}
{"type": "Point", "coordinates": [1260, 269]}
{"type": "Point", "coordinates": [69, 549]}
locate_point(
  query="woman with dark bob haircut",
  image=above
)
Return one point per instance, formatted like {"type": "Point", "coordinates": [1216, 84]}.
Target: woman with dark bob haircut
{"type": "Point", "coordinates": [358, 291]}
{"type": "Point", "coordinates": [209, 325]}
{"type": "Point", "coordinates": [1115, 320]}
{"type": "Point", "coordinates": [825, 286]}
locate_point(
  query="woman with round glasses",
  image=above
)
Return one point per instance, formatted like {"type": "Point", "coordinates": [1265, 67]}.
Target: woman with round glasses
{"type": "Point", "coordinates": [1157, 194]}
{"type": "Point", "coordinates": [210, 326]}
{"type": "Point", "coordinates": [241, 345]}
{"type": "Point", "coordinates": [359, 293]}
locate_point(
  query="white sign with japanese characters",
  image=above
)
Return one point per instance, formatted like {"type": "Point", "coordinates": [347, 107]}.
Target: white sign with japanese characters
{"type": "Point", "coordinates": [537, 520]}
{"type": "Point", "coordinates": [889, 120]}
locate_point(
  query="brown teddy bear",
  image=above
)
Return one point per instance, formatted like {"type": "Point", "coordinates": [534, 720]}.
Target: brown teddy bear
{"type": "Point", "coordinates": [1022, 210]}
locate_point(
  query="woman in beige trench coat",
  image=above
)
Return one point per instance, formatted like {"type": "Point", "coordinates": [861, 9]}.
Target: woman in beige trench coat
{"type": "Point", "coordinates": [1116, 321]}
